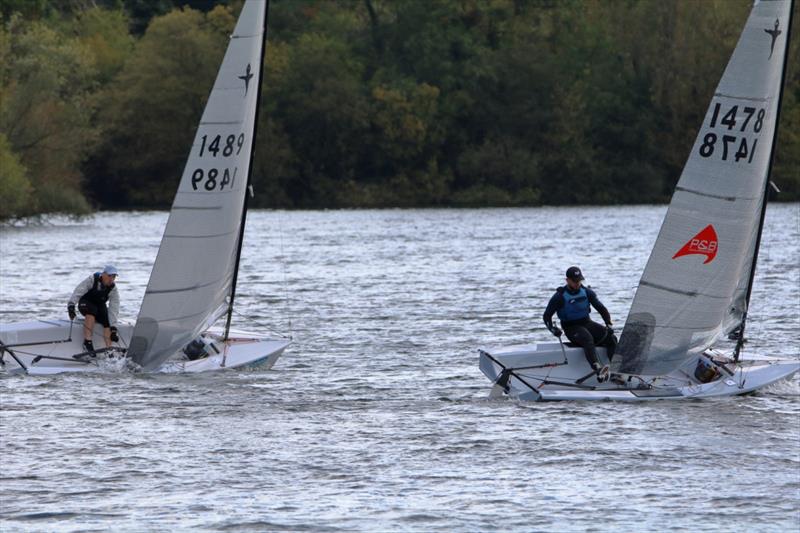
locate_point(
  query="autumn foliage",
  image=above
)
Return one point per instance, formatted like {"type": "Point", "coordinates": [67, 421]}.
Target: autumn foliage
{"type": "Point", "coordinates": [372, 103]}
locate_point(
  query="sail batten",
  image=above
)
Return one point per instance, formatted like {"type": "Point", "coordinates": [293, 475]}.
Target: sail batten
{"type": "Point", "coordinates": [180, 318]}
{"type": "Point", "coordinates": [746, 98]}
{"type": "Point", "coordinates": [192, 278]}
{"type": "Point", "coordinates": [684, 292]}
{"type": "Point", "coordinates": [719, 197]}
{"type": "Point", "coordinates": [206, 236]}
{"type": "Point", "coordinates": [222, 123]}
{"type": "Point", "coordinates": [185, 289]}
{"type": "Point", "coordinates": [695, 283]}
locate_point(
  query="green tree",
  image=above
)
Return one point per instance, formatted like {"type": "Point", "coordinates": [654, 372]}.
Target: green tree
{"type": "Point", "coordinates": [376, 102]}
{"type": "Point", "coordinates": [29, 9]}
{"type": "Point", "coordinates": [15, 188]}
{"type": "Point", "coordinates": [323, 109]}
{"type": "Point", "coordinates": [104, 33]}
{"type": "Point", "coordinates": [46, 94]}
{"type": "Point", "coordinates": [275, 163]}
{"type": "Point", "coordinates": [150, 111]}
{"type": "Point", "coordinates": [786, 170]}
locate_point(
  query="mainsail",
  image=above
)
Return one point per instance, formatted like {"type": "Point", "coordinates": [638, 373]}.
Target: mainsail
{"type": "Point", "coordinates": [696, 282]}
{"type": "Point", "coordinates": [192, 280]}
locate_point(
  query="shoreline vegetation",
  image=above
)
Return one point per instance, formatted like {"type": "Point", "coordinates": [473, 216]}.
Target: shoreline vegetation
{"type": "Point", "coordinates": [371, 103]}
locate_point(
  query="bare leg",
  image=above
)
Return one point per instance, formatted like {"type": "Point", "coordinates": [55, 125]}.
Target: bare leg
{"type": "Point", "coordinates": [107, 336]}
{"type": "Point", "coordinates": [88, 326]}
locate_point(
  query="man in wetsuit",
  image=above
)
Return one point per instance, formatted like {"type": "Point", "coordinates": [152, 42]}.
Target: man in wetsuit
{"type": "Point", "coordinates": [98, 300]}
{"type": "Point", "coordinates": [572, 303]}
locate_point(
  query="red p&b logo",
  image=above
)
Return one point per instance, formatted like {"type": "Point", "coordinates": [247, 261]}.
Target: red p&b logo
{"type": "Point", "coordinates": [704, 243]}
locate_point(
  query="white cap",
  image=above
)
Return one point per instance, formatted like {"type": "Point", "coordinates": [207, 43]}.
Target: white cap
{"type": "Point", "coordinates": [111, 270]}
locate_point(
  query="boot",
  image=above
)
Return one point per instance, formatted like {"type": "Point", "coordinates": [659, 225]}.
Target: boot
{"type": "Point", "coordinates": [89, 347]}
{"type": "Point", "coordinates": [601, 371]}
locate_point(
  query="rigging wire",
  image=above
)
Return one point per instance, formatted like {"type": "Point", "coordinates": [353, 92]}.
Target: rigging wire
{"type": "Point", "coordinates": [287, 304]}
{"type": "Point", "coordinates": [649, 384]}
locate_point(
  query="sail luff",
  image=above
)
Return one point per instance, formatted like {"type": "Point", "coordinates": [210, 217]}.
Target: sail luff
{"type": "Point", "coordinates": [740, 337]}
{"type": "Point", "coordinates": [248, 186]}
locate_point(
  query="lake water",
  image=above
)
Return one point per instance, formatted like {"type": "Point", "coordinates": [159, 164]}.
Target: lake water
{"type": "Point", "coordinates": [377, 417]}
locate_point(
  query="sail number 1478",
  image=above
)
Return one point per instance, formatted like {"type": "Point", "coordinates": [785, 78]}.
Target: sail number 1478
{"type": "Point", "coordinates": [733, 146]}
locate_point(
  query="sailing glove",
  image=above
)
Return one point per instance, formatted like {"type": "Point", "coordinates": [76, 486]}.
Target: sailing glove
{"type": "Point", "coordinates": [556, 331]}
{"type": "Point", "coordinates": [114, 336]}
{"type": "Point", "coordinates": [71, 311]}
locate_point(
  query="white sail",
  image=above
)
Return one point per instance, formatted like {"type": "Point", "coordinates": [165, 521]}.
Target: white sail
{"type": "Point", "coordinates": [191, 281]}
{"type": "Point", "coordinates": [699, 268]}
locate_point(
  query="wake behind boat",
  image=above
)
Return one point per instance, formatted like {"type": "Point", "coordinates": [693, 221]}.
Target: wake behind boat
{"type": "Point", "coordinates": [193, 282]}
{"type": "Point", "coordinates": [697, 284]}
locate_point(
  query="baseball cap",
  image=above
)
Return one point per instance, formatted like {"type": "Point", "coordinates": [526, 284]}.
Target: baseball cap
{"type": "Point", "coordinates": [574, 273]}
{"type": "Point", "coordinates": [111, 270]}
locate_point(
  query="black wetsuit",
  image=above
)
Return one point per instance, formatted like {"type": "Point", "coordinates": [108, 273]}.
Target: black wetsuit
{"type": "Point", "coordinates": [573, 311]}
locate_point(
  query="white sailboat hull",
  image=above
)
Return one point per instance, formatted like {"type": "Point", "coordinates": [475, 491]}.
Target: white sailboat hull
{"type": "Point", "coordinates": [545, 372]}
{"type": "Point", "coordinates": [45, 347]}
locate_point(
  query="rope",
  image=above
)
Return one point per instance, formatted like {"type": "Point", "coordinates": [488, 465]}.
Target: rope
{"type": "Point", "coordinates": [547, 377]}
{"type": "Point", "coordinates": [112, 349]}
{"type": "Point", "coordinates": [287, 306]}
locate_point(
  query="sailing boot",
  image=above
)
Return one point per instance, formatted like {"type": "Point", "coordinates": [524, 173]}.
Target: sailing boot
{"type": "Point", "coordinates": [89, 347]}
{"type": "Point", "coordinates": [601, 371]}
{"type": "Point", "coordinates": [88, 352]}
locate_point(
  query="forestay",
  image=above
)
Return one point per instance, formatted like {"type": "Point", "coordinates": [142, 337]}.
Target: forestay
{"type": "Point", "coordinates": [192, 276]}
{"type": "Point", "coordinates": [694, 285]}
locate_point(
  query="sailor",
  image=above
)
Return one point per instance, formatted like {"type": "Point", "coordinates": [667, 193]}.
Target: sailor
{"type": "Point", "coordinates": [572, 303]}
{"type": "Point", "coordinates": [97, 298]}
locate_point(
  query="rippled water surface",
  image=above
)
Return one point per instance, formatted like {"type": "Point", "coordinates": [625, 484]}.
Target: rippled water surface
{"type": "Point", "coordinates": [376, 418]}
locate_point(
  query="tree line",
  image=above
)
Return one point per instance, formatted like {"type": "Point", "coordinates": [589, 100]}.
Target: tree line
{"type": "Point", "coordinates": [372, 103]}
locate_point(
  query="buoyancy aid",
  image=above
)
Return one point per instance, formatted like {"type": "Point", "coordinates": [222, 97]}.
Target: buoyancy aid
{"type": "Point", "coordinates": [98, 294]}
{"type": "Point", "coordinates": [576, 306]}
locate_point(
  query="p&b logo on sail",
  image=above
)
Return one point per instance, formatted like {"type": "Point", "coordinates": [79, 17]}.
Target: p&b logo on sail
{"type": "Point", "coordinates": [704, 243]}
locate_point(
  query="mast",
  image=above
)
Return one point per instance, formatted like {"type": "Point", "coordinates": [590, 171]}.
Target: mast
{"type": "Point", "coordinates": [740, 339]}
{"type": "Point", "coordinates": [248, 186]}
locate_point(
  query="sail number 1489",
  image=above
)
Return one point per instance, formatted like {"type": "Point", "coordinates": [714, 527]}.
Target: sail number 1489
{"type": "Point", "coordinates": [214, 179]}
{"type": "Point", "coordinates": [231, 143]}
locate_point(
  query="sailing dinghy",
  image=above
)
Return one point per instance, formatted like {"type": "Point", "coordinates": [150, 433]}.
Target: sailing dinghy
{"type": "Point", "coordinates": [696, 286]}
{"type": "Point", "coordinates": [193, 281]}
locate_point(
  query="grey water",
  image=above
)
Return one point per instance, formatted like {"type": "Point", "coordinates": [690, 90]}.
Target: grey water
{"type": "Point", "coordinates": [376, 418]}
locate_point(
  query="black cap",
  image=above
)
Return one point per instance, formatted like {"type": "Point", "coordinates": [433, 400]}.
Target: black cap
{"type": "Point", "coordinates": [575, 274]}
